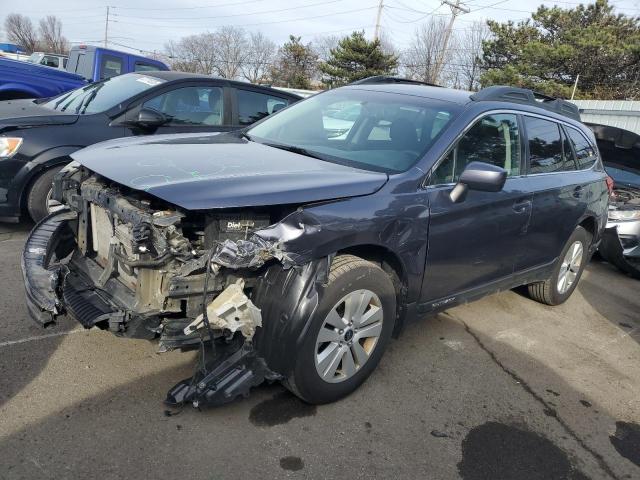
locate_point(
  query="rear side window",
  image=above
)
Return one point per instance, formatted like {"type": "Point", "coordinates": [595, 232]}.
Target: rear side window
{"type": "Point", "coordinates": [585, 153]}
{"type": "Point", "coordinates": [253, 106]}
{"type": "Point", "coordinates": [190, 106]}
{"type": "Point", "coordinates": [50, 61]}
{"type": "Point", "coordinates": [144, 67]}
{"type": "Point", "coordinates": [110, 66]}
{"type": "Point", "coordinates": [494, 139]}
{"type": "Point", "coordinates": [545, 147]}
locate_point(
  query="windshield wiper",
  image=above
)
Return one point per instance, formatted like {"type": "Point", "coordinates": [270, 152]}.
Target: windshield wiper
{"type": "Point", "coordinates": [83, 105]}
{"type": "Point", "coordinates": [294, 149]}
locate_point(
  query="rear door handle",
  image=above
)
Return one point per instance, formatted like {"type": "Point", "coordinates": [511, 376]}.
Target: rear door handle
{"type": "Point", "coordinates": [578, 191]}
{"type": "Point", "coordinates": [522, 206]}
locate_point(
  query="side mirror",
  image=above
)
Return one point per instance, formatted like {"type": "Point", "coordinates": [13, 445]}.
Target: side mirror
{"type": "Point", "coordinates": [149, 118]}
{"type": "Point", "coordinates": [479, 176]}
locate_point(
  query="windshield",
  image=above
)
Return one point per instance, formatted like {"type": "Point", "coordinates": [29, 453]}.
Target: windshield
{"type": "Point", "coordinates": [101, 96]}
{"type": "Point", "coordinates": [378, 131]}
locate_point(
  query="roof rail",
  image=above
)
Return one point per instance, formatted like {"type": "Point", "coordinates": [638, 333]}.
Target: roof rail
{"type": "Point", "coordinates": [501, 93]}
{"type": "Point", "coordinates": [388, 79]}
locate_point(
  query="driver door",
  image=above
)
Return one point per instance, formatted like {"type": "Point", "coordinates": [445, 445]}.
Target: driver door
{"type": "Point", "coordinates": [477, 241]}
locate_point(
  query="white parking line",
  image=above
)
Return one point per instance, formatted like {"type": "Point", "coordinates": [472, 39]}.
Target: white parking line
{"type": "Point", "coordinates": [39, 337]}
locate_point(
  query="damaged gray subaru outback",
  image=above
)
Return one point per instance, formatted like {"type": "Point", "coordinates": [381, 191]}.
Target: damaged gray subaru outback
{"type": "Point", "coordinates": [294, 250]}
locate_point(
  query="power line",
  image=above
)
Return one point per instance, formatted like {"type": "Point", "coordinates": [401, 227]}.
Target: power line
{"type": "Point", "coordinates": [262, 12]}
{"type": "Point", "coordinates": [248, 24]}
{"type": "Point", "coordinates": [189, 8]}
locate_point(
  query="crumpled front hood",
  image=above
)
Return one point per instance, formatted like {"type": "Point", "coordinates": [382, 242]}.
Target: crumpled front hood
{"type": "Point", "coordinates": [27, 113]}
{"type": "Point", "coordinates": [204, 171]}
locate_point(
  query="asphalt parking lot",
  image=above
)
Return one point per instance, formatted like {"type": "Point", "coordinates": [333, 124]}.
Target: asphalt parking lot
{"type": "Point", "coordinates": [503, 388]}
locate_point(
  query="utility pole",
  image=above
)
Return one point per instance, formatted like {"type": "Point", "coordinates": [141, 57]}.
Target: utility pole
{"type": "Point", "coordinates": [456, 9]}
{"type": "Point", "coordinates": [575, 85]}
{"type": "Point", "coordinates": [376, 35]}
{"type": "Point", "coordinates": [106, 29]}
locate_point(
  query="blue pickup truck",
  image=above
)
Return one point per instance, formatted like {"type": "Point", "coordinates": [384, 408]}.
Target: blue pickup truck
{"type": "Point", "coordinates": [86, 64]}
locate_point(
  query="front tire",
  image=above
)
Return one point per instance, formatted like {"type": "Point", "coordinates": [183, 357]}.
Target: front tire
{"type": "Point", "coordinates": [38, 198]}
{"type": "Point", "coordinates": [349, 333]}
{"type": "Point", "coordinates": [567, 271]}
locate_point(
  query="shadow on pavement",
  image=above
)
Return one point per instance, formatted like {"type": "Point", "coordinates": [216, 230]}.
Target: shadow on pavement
{"type": "Point", "coordinates": [614, 296]}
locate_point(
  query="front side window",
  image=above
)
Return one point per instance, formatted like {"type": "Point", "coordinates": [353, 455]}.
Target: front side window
{"type": "Point", "coordinates": [254, 106]}
{"type": "Point", "coordinates": [190, 106]}
{"type": "Point", "coordinates": [494, 139]}
{"type": "Point", "coordinates": [585, 153]}
{"type": "Point", "coordinates": [378, 131]}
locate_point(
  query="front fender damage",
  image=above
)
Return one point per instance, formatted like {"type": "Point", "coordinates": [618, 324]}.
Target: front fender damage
{"type": "Point", "coordinates": [288, 291]}
{"type": "Point", "coordinates": [254, 334]}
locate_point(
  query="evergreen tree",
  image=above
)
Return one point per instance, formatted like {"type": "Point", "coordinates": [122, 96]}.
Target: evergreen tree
{"type": "Point", "coordinates": [356, 58]}
{"type": "Point", "coordinates": [548, 51]}
{"type": "Point", "coordinates": [295, 66]}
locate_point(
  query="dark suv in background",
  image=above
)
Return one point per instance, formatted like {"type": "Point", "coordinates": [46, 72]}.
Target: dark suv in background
{"type": "Point", "coordinates": [293, 250]}
{"type": "Point", "coordinates": [37, 136]}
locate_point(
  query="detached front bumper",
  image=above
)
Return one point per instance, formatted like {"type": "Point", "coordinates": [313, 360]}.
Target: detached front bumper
{"type": "Point", "coordinates": [42, 279]}
{"type": "Point", "coordinates": [58, 281]}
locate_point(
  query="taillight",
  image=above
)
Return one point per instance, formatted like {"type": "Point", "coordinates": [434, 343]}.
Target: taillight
{"type": "Point", "coordinates": [610, 185]}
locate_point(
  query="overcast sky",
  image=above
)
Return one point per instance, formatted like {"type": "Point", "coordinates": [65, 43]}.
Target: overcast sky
{"type": "Point", "coordinates": [149, 24]}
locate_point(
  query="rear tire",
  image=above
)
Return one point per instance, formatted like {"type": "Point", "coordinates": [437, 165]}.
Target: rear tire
{"type": "Point", "coordinates": [569, 266]}
{"type": "Point", "coordinates": [370, 292]}
{"type": "Point", "coordinates": [39, 193]}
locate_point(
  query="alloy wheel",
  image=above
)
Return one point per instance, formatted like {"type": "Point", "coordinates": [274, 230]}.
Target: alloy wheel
{"type": "Point", "coordinates": [51, 204]}
{"type": "Point", "coordinates": [570, 267]}
{"type": "Point", "coordinates": [348, 336]}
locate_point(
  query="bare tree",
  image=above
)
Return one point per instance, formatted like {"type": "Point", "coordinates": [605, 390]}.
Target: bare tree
{"type": "Point", "coordinates": [387, 45]}
{"type": "Point", "coordinates": [322, 46]}
{"type": "Point", "coordinates": [422, 55]}
{"type": "Point", "coordinates": [469, 54]}
{"type": "Point", "coordinates": [51, 38]}
{"type": "Point", "coordinates": [20, 31]}
{"type": "Point", "coordinates": [231, 47]}
{"type": "Point", "coordinates": [195, 53]}
{"type": "Point", "coordinates": [259, 58]}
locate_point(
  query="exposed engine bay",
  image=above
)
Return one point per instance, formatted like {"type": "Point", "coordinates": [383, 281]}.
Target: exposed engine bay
{"type": "Point", "coordinates": [158, 256]}
{"type": "Point", "coordinates": [625, 198]}
{"type": "Point", "coordinates": [128, 262]}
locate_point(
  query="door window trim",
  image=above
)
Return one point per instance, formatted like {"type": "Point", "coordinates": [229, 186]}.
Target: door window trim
{"type": "Point", "coordinates": [425, 182]}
